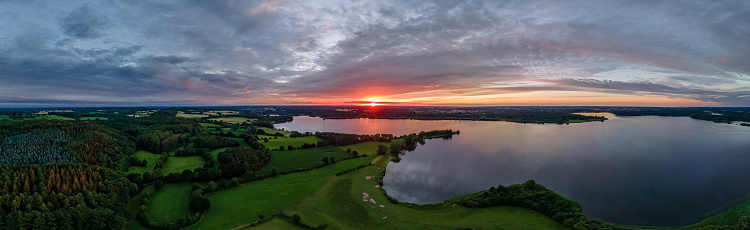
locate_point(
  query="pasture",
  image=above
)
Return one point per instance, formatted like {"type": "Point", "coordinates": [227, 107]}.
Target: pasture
{"type": "Point", "coordinates": [144, 155]}
{"type": "Point", "coordinates": [273, 131]}
{"type": "Point", "coordinates": [191, 115]}
{"type": "Point", "coordinates": [93, 118]}
{"type": "Point", "coordinates": [4, 117]}
{"type": "Point", "coordinates": [275, 224]}
{"type": "Point", "coordinates": [303, 158]}
{"type": "Point", "coordinates": [369, 148]}
{"type": "Point", "coordinates": [238, 206]}
{"type": "Point", "coordinates": [170, 203]}
{"type": "Point", "coordinates": [233, 120]}
{"type": "Point", "coordinates": [209, 125]}
{"type": "Point", "coordinates": [179, 164]}
{"type": "Point", "coordinates": [341, 205]}
{"type": "Point", "coordinates": [287, 141]}
{"type": "Point", "coordinates": [50, 117]}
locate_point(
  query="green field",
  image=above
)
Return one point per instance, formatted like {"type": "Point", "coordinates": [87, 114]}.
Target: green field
{"type": "Point", "coordinates": [233, 120]}
{"type": "Point", "coordinates": [170, 203]}
{"type": "Point", "coordinates": [144, 155]}
{"type": "Point", "coordinates": [4, 117]}
{"type": "Point", "coordinates": [241, 205]}
{"type": "Point", "coordinates": [275, 224]}
{"type": "Point", "coordinates": [273, 131]}
{"type": "Point", "coordinates": [179, 164]}
{"type": "Point", "coordinates": [303, 158]}
{"type": "Point", "coordinates": [369, 148]}
{"type": "Point", "coordinates": [50, 117]}
{"type": "Point", "coordinates": [286, 142]}
{"type": "Point", "coordinates": [209, 125]}
{"type": "Point", "coordinates": [93, 118]}
{"type": "Point", "coordinates": [340, 206]}
{"type": "Point", "coordinates": [191, 115]}
{"type": "Point", "coordinates": [133, 206]}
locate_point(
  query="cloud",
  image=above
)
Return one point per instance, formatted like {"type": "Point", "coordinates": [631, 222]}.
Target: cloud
{"type": "Point", "coordinates": [81, 23]}
{"type": "Point", "coordinates": [265, 52]}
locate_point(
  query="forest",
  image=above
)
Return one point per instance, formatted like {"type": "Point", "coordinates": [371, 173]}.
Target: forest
{"type": "Point", "coordinates": [73, 174]}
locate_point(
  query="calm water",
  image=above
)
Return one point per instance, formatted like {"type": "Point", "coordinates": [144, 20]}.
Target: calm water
{"type": "Point", "coordinates": [627, 170]}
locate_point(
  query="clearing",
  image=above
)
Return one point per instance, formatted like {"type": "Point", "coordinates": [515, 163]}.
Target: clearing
{"type": "Point", "coordinates": [170, 203]}
{"type": "Point", "coordinates": [179, 164]}
{"type": "Point", "coordinates": [144, 155]}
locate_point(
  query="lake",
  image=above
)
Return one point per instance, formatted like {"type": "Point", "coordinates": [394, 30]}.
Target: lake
{"type": "Point", "coordinates": [628, 170]}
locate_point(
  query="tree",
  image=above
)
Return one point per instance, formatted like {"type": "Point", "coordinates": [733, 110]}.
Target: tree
{"type": "Point", "coordinates": [325, 160]}
{"type": "Point", "coordinates": [274, 171]}
{"type": "Point", "coordinates": [355, 153]}
{"type": "Point", "coordinates": [158, 184]}
{"type": "Point", "coordinates": [382, 150]}
{"type": "Point", "coordinates": [281, 148]}
{"type": "Point", "coordinates": [147, 176]}
{"type": "Point", "coordinates": [530, 184]}
{"type": "Point", "coordinates": [211, 186]}
{"type": "Point", "coordinates": [348, 150]}
{"type": "Point", "coordinates": [396, 148]}
{"type": "Point", "coordinates": [296, 218]}
{"type": "Point", "coordinates": [199, 204]}
{"type": "Point", "coordinates": [261, 216]}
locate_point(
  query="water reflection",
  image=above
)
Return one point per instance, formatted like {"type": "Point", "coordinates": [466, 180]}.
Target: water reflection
{"type": "Point", "coordinates": [633, 170]}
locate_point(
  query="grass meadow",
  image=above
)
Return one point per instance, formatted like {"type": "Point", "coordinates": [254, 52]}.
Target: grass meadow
{"type": "Point", "coordinates": [144, 155]}
{"type": "Point", "coordinates": [170, 203]}
{"type": "Point", "coordinates": [233, 120]}
{"type": "Point", "coordinates": [287, 141]}
{"type": "Point", "coordinates": [179, 164]}
{"type": "Point", "coordinates": [289, 160]}
{"type": "Point", "coordinates": [341, 206]}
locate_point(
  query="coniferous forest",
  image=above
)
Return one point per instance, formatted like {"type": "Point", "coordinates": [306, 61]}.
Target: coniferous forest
{"type": "Point", "coordinates": [59, 174]}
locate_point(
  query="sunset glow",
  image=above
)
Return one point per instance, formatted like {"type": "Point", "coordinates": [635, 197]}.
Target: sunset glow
{"type": "Point", "coordinates": [342, 52]}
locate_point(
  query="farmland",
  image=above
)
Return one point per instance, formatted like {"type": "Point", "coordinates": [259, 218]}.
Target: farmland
{"type": "Point", "coordinates": [233, 120]}
{"type": "Point", "coordinates": [304, 158]}
{"type": "Point", "coordinates": [191, 115]}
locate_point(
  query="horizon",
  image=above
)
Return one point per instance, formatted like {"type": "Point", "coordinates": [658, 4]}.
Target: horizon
{"type": "Point", "coordinates": [80, 54]}
{"type": "Point", "coordinates": [354, 105]}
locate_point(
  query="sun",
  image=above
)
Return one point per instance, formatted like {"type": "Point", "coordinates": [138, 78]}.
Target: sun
{"type": "Point", "coordinates": [374, 99]}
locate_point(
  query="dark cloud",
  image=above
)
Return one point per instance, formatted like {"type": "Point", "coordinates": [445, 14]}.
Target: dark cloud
{"type": "Point", "coordinates": [82, 23]}
{"type": "Point", "coordinates": [284, 51]}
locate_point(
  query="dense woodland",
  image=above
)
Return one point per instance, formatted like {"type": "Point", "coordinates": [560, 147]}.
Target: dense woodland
{"type": "Point", "coordinates": [63, 196]}
{"type": "Point", "coordinates": [71, 174]}
{"type": "Point", "coordinates": [91, 143]}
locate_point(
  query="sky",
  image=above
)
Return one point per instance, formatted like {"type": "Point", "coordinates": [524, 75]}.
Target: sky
{"type": "Point", "coordinates": [466, 53]}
